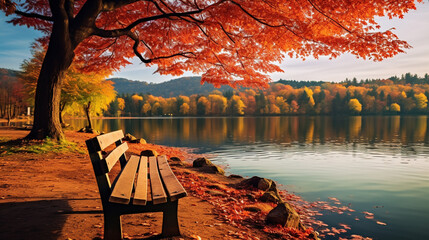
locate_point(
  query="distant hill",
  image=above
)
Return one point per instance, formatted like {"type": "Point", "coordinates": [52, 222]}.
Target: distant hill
{"type": "Point", "coordinates": [180, 86]}
{"type": "Point", "coordinates": [8, 75]}
{"type": "Point", "coordinates": [300, 84]}
{"type": "Point", "coordinates": [185, 86]}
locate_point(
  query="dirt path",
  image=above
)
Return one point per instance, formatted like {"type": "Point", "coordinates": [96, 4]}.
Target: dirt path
{"type": "Point", "coordinates": [54, 196]}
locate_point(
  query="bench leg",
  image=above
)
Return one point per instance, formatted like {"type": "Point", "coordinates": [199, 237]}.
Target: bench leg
{"type": "Point", "coordinates": [112, 226]}
{"type": "Point", "coordinates": [170, 224]}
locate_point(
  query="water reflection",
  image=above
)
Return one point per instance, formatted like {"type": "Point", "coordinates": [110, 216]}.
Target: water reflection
{"type": "Point", "coordinates": [310, 129]}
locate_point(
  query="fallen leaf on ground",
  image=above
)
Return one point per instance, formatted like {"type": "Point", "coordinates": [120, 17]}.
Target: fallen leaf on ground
{"type": "Point", "coordinates": [196, 237]}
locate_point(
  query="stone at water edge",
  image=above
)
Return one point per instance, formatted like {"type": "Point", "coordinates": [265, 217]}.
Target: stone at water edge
{"type": "Point", "coordinates": [272, 193]}
{"type": "Point", "coordinates": [129, 137]}
{"type": "Point", "coordinates": [271, 196]}
{"type": "Point", "coordinates": [175, 161]}
{"type": "Point", "coordinates": [201, 162]}
{"type": "Point", "coordinates": [88, 130]}
{"type": "Point", "coordinates": [139, 140]}
{"type": "Point", "coordinates": [215, 169]}
{"type": "Point", "coordinates": [207, 166]}
{"type": "Point", "coordinates": [284, 215]}
{"type": "Point", "coordinates": [263, 184]}
{"type": "Point", "coordinates": [235, 176]}
{"type": "Point", "coordinates": [148, 153]}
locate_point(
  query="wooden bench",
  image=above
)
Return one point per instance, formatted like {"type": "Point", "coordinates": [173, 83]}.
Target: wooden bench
{"type": "Point", "coordinates": [144, 184]}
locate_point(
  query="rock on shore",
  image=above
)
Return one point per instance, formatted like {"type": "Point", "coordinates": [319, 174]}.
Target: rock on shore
{"type": "Point", "coordinates": [206, 165]}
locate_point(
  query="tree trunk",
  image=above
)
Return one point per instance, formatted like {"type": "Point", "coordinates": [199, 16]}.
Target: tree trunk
{"type": "Point", "coordinates": [8, 107]}
{"type": "Point", "coordinates": [8, 116]}
{"type": "Point", "coordinates": [87, 110]}
{"type": "Point", "coordinates": [58, 59]}
{"type": "Point", "coordinates": [62, 106]}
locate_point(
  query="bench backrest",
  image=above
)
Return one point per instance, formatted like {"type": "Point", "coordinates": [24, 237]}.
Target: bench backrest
{"type": "Point", "coordinates": [103, 163]}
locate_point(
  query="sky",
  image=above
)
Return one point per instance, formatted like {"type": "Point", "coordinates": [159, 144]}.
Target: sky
{"type": "Point", "coordinates": [15, 45]}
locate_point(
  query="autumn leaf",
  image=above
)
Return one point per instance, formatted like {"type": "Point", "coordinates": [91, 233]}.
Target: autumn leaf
{"type": "Point", "coordinates": [381, 223]}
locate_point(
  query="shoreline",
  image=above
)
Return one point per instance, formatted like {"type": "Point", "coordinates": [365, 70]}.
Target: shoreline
{"type": "Point", "coordinates": [30, 119]}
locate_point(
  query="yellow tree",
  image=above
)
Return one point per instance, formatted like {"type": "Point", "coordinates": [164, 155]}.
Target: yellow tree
{"type": "Point", "coordinates": [282, 104]}
{"type": "Point", "coordinates": [355, 106]}
{"type": "Point", "coordinates": [184, 109]}
{"type": "Point", "coordinates": [306, 100]}
{"type": "Point", "coordinates": [76, 85]}
{"type": "Point", "coordinates": [203, 106]}
{"type": "Point", "coordinates": [156, 109]}
{"type": "Point", "coordinates": [136, 98]}
{"type": "Point", "coordinates": [121, 105]}
{"type": "Point", "coordinates": [146, 108]}
{"type": "Point", "coordinates": [236, 105]}
{"type": "Point", "coordinates": [395, 108]}
{"type": "Point", "coordinates": [218, 104]}
{"type": "Point", "coordinates": [421, 101]}
{"type": "Point", "coordinates": [180, 101]}
{"type": "Point", "coordinates": [95, 94]}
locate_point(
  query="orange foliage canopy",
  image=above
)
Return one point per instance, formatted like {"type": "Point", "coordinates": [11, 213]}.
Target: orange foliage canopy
{"type": "Point", "coordinates": [235, 42]}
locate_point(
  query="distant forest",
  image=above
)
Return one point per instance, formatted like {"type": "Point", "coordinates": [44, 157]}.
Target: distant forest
{"type": "Point", "coordinates": [407, 94]}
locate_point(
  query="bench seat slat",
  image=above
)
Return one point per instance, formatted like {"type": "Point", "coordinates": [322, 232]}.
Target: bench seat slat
{"type": "Point", "coordinates": [172, 185]}
{"type": "Point", "coordinates": [113, 157]}
{"type": "Point", "coordinates": [124, 186]}
{"type": "Point", "coordinates": [107, 139]}
{"type": "Point", "coordinates": [158, 193]}
{"type": "Point", "coordinates": [140, 194]}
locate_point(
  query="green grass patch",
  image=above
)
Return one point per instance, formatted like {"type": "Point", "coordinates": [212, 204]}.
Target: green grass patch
{"type": "Point", "coordinates": [38, 146]}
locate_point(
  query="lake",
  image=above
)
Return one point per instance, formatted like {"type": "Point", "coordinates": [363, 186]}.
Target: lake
{"type": "Point", "coordinates": [377, 164]}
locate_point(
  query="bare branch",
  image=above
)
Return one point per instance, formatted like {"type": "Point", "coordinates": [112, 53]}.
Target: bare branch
{"type": "Point", "coordinates": [206, 34]}
{"type": "Point", "coordinates": [147, 46]}
{"type": "Point", "coordinates": [226, 33]}
{"type": "Point", "coordinates": [241, 62]}
{"type": "Point", "coordinates": [268, 24]}
{"type": "Point", "coordinates": [34, 15]}
{"type": "Point", "coordinates": [331, 19]}
{"type": "Point", "coordinates": [134, 37]}
{"type": "Point", "coordinates": [220, 63]}
{"type": "Point", "coordinates": [172, 10]}
{"type": "Point", "coordinates": [124, 31]}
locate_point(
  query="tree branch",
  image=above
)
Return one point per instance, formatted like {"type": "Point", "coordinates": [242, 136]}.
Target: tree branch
{"type": "Point", "coordinates": [268, 24]}
{"type": "Point", "coordinates": [34, 15]}
{"type": "Point", "coordinates": [69, 8]}
{"type": "Point", "coordinates": [172, 10]}
{"type": "Point", "coordinates": [206, 34]}
{"type": "Point", "coordinates": [331, 19]}
{"type": "Point", "coordinates": [136, 40]}
{"type": "Point", "coordinates": [110, 5]}
{"type": "Point", "coordinates": [226, 33]}
{"type": "Point", "coordinates": [125, 31]}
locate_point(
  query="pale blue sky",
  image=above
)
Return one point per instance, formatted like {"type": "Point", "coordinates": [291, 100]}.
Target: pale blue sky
{"type": "Point", "coordinates": [15, 45]}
